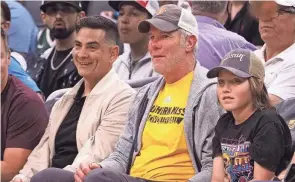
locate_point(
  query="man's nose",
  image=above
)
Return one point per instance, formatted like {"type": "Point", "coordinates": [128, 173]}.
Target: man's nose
{"type": "Point", "coordinates": [58, 14]}
{"type": "Point", "coordinates": [154, 44]}
{"type": "Point", "coordinates": [82, 53]}
{"type": "Point", "coordinates": [124, 19]}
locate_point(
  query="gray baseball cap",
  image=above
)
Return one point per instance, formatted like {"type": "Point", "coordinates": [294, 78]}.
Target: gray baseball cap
{"type": "Point", "coordinates": [242, 63]}
{"type": "Point", "coordinates": [169, 18]}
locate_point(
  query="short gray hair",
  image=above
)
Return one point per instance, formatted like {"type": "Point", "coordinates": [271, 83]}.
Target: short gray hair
{"type": "Point", "coordinates": [184, 34]}
{"type": "Point", "coordinates": [204, 6]}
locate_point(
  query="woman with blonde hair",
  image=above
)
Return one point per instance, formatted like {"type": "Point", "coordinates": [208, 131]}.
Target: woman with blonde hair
{"type": "Point", "coordinates": [251, 133]}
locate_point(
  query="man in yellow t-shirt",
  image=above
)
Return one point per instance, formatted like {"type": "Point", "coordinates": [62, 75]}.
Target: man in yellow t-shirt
{"type": "Point", "coordinates": [168, 136]}
{"type": "Point", "coordinates": [164, 150]}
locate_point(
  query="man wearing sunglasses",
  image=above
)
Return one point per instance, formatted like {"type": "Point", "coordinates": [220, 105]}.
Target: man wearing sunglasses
{"type": "Point", "coordinates": [57, 70]}
{"type": "Point", "coordinates": [277, 29]}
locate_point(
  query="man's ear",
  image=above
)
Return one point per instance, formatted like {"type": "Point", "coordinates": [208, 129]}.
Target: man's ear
{"type": "Point", "coordinates": [43, 17]}
{"type": "Point", "coordinates": [114, 53]}
{"type": "Point", "coordinates": [8, 57]}
{"type": "Point", "coordinates": [81, 14]}
{"type": "Point", "coordinates": [5, 26]}
{"type": "Point", "coordinates": [191, 41]}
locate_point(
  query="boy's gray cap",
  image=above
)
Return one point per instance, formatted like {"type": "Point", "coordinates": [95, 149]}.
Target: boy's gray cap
{"type": "Point", "coordinates": [242, 63]}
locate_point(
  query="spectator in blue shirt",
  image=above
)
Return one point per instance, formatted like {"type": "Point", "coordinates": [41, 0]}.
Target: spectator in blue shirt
{"type": "Point", "coordinates": [16, 70]}
{"type": "Point", "coordinates": [23, 31]}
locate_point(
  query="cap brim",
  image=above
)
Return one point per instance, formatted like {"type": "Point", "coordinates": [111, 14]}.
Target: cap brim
{"type": "Point", "coordinates": [213, 73]}
{"type": "Point", "coordinates": [285, 3]}
{"type": "Point", "coordinates": [115, 5]}
{"type": "Point", "coordinates": [162, 25]}
{"type": "Point", "coordinates": [44, 6]}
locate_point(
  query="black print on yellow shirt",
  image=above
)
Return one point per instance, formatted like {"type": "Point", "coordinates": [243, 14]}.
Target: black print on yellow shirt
{"type": "Point", "coordinates": [166, 115]}
{"type": "Point", "coordinates": [167, 110]}
{"type": "Point", "coordinates": [165, 120]}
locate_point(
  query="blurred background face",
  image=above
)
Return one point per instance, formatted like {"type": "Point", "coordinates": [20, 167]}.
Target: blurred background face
{"type": "Point", "coordinates": [93, 55]}
{"type": "Point", "coordinates": [61, 20]}
{"type": "Point", "coordinates": [128, 20]}
{"type": "Point", "coordinates": [233, 92]}
{"type": "Point", "coordinates": [275, 24]}
{"type": "Point", "coordinates": [5, 61]}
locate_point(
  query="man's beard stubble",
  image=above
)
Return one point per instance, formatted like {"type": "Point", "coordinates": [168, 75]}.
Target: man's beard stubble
{"type": "Point", "coordinates": [61, 33]}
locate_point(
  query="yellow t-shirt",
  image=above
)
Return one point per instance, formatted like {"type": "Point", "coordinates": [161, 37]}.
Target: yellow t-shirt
{"type": "Point", "coordinates": [164, 155]}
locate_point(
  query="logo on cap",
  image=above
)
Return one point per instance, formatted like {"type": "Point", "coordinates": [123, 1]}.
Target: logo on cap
{"type": "Point", "coordinates": [143, 3]}
{"type": "Point", "coordinates": [291, 124]}
{"type": "Point", "coordinates": [161, 10]}
{"type": "Point", "coordinates": [240, 56]}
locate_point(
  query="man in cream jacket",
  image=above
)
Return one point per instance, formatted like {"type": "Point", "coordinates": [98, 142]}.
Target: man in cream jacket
{"type": "Point", "coordinates": [86, 122]}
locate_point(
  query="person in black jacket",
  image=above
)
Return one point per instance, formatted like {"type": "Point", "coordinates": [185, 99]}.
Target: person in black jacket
{"type": "Point", "coordinates": [56, 70]}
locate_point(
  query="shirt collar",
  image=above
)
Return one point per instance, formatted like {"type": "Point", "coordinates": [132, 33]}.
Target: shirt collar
{"type": "Point", "coordinates": [284, 55]}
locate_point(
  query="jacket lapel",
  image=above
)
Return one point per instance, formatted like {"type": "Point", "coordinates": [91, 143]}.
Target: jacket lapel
{"type": "Point", "coordinates": [105, 84]}
{"type": "Point", "coordinates": [199, 83]}
{"type": "Point", "coordinates": [60, 111]}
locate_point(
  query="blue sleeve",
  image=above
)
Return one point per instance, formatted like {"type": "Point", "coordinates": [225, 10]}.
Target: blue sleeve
{"type": "Point", "coordinates": [23, 30]}
{"type": "Point", "coordinates": [16, 70]}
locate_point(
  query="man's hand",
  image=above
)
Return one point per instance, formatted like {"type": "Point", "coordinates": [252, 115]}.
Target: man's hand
{"type": "Point", "coordinates": [83, 171]}
{"type": "Point", "coordinates": [17, 180]}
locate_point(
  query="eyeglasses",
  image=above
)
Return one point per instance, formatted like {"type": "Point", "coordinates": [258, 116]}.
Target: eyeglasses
{"type": "Point", "coordinates": [273, 14]}
{"type": "Point", "coordinates": [53, 9]}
